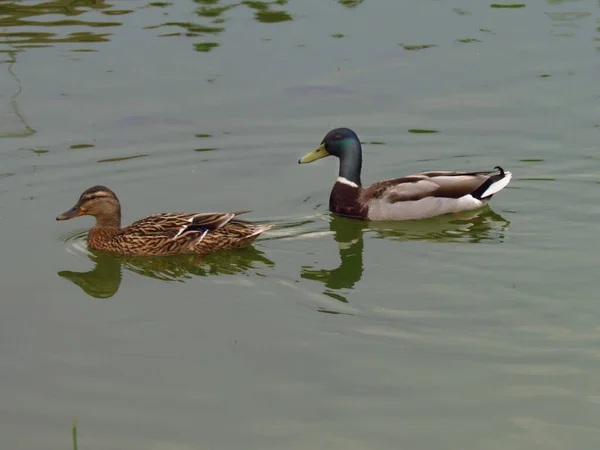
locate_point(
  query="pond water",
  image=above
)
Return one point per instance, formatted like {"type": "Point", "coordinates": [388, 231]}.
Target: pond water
{"type": "Point", "coordinates": [478, 331]}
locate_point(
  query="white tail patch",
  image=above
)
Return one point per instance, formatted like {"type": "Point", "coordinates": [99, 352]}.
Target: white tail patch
{"type": "Point", "coordinates": [347, 182]}
{"type": "Point", "coordinates": [498, 185]}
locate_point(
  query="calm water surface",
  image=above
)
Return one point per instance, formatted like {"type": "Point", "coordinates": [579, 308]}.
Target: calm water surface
{"type": "Point", "coordinates": [472, 332]}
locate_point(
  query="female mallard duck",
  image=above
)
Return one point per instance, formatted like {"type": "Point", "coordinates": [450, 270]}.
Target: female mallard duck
{"type": "Point", "coordinates": [160, 234]}
{"type": "Point", "coordinates": [418, 196]}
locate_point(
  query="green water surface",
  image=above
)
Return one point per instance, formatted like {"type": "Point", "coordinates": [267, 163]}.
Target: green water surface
{"type": "Point", "coordinates": [477, 331]}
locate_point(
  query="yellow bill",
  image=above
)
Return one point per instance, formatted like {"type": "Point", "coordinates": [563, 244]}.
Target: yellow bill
{"type": "Point", "coordinates": [319, 153]}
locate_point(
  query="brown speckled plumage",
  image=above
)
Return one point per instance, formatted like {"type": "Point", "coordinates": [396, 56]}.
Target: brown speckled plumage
{"type": "Point", "coordinates": [163, 233]}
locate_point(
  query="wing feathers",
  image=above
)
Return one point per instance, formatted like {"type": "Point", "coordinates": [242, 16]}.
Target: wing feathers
{"type": "Point", "coordinates": [440, 184]}
{"type": "Point", "coordinates": [174, 225]}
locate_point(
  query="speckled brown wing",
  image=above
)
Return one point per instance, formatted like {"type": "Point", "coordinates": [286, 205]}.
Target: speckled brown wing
{"type": "Point", "coordinates": [237, 233]}
{"type": "Point", "coordinates": [169, 233]}
{"type": "Point", "coordinates": [177, 224]}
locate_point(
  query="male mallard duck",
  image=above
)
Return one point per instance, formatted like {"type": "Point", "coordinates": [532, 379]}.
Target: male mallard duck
{"type": "Point", "coordinates": [160, 234]}
{"type": "Point", "coordinates": [418, 196]}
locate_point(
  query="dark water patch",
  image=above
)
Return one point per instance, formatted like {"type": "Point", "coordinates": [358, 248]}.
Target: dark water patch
{"type": "Point", "coordinates": [84, 50]}
{"type": "Point", "coordinates": [260, 6]}
{"type": "Point", "coordinates": [213, 11]}
{"type": "Point", "coordinates": [329, 311]}
{"type": "Point", "coordinates": [207, 149]}
{"type": "Point", "coordinates": [335, 296]}
{"type": "Point", "coordinates": [160, 4]}
{"type": "Point", "coordinates": [467, 40]}
{"type": "Point", "coordinates": [123, 158]}
{"type": "Point", "coordinates": [544, 75]}
{"type": "Point", "coordinates": [39, 151]}
{"type": "Point", "coordinates": [338, 35]}
{"type": "Point", "coordinates": [203, 135]}
{"type": "Point", "coordinates": [417, 47]}
{"type": "Point", "coordinates": [350, 3]}
{"type": "Point", "coordinates": [272, 16]}
{"type": "Point", "coordinates": [40, 40]}
{"type": "Point", "coordinates": [205, 47]}
{"type": "Point", "coordinates": [485, 30]}
{"type": "Point", "coordinates": [78, 146]}
{"type": "Point", "coordinates": [422, 131]}
{"type": "Point", "coordinates": [511, 5]}
{"type": "Point", "coordinates": [117, 12]}
{"type": "Point", "coordinates": [189, 28]}
{"type": "Point", "coordinates": [38, 46]}
{"type": "Point", "coordinates": [6, 174]}
{"type": "Point", "coordinates": [74, 434]}
{"type": "Point", "coordinates": [531, 160]}
{"type": "Point", "coordinates": [461, 12]}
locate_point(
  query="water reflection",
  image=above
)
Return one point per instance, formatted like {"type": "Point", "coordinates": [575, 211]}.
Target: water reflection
{"type": "Point", "coordinates": [19, 21]}
{"type": "Point", "coordinates": [213, 16]}
{"type": "Point", "coordinates": [350, 3]}
{"type": "Point", "coordinates": [348, 234]}
{"type": "Point", "coordinates": [483, 226]}
{"type": "Point", "coordinates": [34, 25]}
{"type": "Point", "coordinates": [104, 280]}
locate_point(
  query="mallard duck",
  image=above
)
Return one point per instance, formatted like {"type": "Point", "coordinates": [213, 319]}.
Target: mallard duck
{"type": "Point", "coordinates": [417, 196]}
{"type": "Point", "coordinates": [160, 234]}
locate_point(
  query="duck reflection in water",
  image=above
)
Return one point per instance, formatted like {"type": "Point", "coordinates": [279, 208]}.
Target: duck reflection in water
{"type": "Point", "coordinates": [104, 279]}
{"type": "Point", "coordinates": [481, 226]}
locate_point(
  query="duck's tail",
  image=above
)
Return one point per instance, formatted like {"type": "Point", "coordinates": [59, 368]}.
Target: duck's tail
{"type": "Point", "coordinates": [493, 185]}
